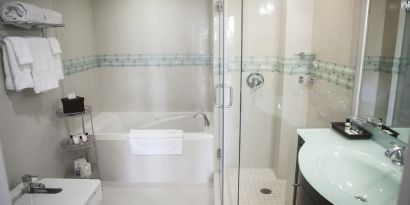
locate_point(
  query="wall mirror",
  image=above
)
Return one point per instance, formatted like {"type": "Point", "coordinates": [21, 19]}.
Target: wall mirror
{"type": "Point", "coordinates": [385, 94]}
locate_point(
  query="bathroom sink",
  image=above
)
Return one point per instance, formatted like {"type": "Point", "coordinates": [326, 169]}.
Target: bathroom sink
{"type": "Point", "coordinates": [359, 175]}
{"type": "Point", "coordinates": [350, 171]}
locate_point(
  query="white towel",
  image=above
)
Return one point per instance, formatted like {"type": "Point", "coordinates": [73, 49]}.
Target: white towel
{"type": "Point", "coordinates": [55, 45]}
{"type": "Point", "coordinates": [21, 50]}
{"type": "Point", "coordinates": [155, 142]}
{"type": "Point", "coordinates": [21, 11]}
{"type": "Point", "coordinates": [6, 65]}
{"type": "Point", "coordinates": [56, 50]}
{"type": "Point", "coordinates": [43, 72]}
{"type": "Point", "coordinates": [51, 16]}
{"type": "Point", "coordinates": [18, 77]}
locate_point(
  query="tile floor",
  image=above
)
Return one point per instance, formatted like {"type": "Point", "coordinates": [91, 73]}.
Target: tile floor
{"type": "Point", "coordinates": [251, 182]}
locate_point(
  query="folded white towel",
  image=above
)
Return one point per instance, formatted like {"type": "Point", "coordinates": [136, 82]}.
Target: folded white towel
{"type": "Point", "coordinates": [43, 73]}
{"type": "Point", "coordinates": [55, 45]}
{"type": "Point", "coordinates": [51, 16]}
{"type": "Point", "coordinates": [21, 11]}
{"type": "Point", "coordinates": [155, 142]}
{"type": "Point", "coordinates": [18, 77]}
{"type": "Point", "coordinates": [6, 65]}
{"type": "Point", "coordinates": [21, 50]}
{"type": "Point", "coordinates": [56, 50]}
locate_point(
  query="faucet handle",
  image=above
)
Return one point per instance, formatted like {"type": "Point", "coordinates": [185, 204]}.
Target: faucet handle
{"type": "Point", "coordinates": [28, 178]}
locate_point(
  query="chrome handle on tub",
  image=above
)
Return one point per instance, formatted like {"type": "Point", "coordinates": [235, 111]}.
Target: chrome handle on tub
{"type": "Point", "coordinates": [216, 94]}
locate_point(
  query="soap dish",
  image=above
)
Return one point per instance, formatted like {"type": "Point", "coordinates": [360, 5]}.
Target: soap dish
{"type": "Point", "coordinates": [340, 128]}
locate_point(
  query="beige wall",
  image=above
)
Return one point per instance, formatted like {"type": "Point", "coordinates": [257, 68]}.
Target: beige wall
{"type": "Point", "coordinates": [335, 39]}
{"type": "Point", "coordinates": [154, 27]}
{"type": "Point", "coordinates": [30, 130]}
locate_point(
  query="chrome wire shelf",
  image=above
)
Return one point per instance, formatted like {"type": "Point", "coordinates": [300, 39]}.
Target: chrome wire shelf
{"type": "Point", "coordinates": [70, 173]}
{"type": "Point", "coordinates": [69, 146]}
{"type": "Point", "coordinates": [87, 111]}
{"type": "Point", "coordinates": [31, 24]}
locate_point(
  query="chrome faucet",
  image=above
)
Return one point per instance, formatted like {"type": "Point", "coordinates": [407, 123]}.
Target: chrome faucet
{"type": "Point", "coordinates": [398, 151]}
{"type": "Point", "coordinates": [206, 120]}
{"type": "Point", "coordinates": [29, 186]}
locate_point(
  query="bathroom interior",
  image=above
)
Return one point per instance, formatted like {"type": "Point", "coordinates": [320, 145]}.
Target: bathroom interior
{"type": "Point", "coordinates": [205, 102]}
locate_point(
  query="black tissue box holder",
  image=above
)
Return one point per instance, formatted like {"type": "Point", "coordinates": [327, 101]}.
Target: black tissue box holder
{"type": "Point", "coordinates": [73, 105]}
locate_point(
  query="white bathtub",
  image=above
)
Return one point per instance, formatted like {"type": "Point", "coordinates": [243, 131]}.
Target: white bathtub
{"type": "Point", "coordinates": [116, 163]}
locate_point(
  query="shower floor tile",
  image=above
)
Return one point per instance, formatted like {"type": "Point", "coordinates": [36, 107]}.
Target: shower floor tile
{"type": "Point", "coordinates": [156, 194]}
{"type": "Point", "coordinates": [251, 183]}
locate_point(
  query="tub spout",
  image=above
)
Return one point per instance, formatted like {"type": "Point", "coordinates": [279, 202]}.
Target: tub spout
{"type": "Point", "coordinates": [206, 120]}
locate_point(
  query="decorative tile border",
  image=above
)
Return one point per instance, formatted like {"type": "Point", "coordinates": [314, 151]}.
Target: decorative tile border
{"type": "Point", "coordinates": [76, 65]}
{"type": "Point", "coordinates": [338, 74]}
{"type": "Point", "coordinates": [154, 60]}
{"type": "Point", "coordinates": [383, 64]}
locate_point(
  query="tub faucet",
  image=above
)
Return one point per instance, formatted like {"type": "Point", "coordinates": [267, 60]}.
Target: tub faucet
{"type": "Point", "coordinates": [398, 151]}
{"type": "Point", "coordinates": [29, 186]}
{"type": "Point", "coordinates": [206, 120]}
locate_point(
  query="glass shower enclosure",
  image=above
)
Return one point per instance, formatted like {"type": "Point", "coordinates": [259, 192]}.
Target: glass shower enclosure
{"type": "Point", "coordinates": [277, 66]}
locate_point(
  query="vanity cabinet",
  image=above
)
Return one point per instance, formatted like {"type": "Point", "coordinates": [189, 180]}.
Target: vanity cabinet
{"type": "Point", "coordinates": [304, 193]}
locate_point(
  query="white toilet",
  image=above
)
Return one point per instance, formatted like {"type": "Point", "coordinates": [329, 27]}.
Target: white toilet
{"type": "Point", "coordinates": [75, 191]}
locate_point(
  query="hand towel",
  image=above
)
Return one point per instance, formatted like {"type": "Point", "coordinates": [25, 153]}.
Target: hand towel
{"type": "Point", "coordinates": [21, 49]}
{"type": "Point", "coordinates": [155, 142]}
{"type": "Point", "coordinates": [7, 72]}
{"type": "Point", "coordinates": [43, 73]}
{"type": "Point", "coordinates": [55, 45]}
{"type": "Point", "coordinates": [56, 50]}
{"type": "Point", "coordinates": [21, 11]}
{"type": "Point", "coordinates": [18, 77]}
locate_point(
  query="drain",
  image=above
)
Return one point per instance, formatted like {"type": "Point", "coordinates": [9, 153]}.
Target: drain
{"type": "Point", "coordinates": [266, 191]}
{"type": "Point", "coordinates": [361, 198]}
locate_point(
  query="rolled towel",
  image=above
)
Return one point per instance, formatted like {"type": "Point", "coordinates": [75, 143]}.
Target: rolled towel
{"type": "Point", "coordinates": [21, 11]}
{"type": "Point", "coordinates": [51, 16]}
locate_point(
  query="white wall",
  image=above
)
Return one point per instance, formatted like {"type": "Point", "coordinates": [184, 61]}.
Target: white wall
{"type": "Point", "coordinates": [30, 130]}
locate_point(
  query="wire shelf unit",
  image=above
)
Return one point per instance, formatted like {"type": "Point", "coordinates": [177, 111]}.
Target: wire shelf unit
{"type": "Point", "coordinates": [69, 146]}
{"type": "Point", "coordinates": [87, 111]}
{"type": "Point", "coordinates": [69, 173]}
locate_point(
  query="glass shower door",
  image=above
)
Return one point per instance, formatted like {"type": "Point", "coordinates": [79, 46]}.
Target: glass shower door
{"type": "Point", "coordinates": [227, 53]}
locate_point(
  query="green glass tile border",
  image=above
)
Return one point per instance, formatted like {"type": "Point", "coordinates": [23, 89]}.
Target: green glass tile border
{"type": "Point", "coordinates": [338, 74]}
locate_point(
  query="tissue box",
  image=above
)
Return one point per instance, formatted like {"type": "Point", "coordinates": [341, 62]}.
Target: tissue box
{"type": "Point", "coordinates": [73, 105]}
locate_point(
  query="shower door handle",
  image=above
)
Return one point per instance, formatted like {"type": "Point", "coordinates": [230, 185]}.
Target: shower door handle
{"type": "Point", "coordinates": [218, 88]}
